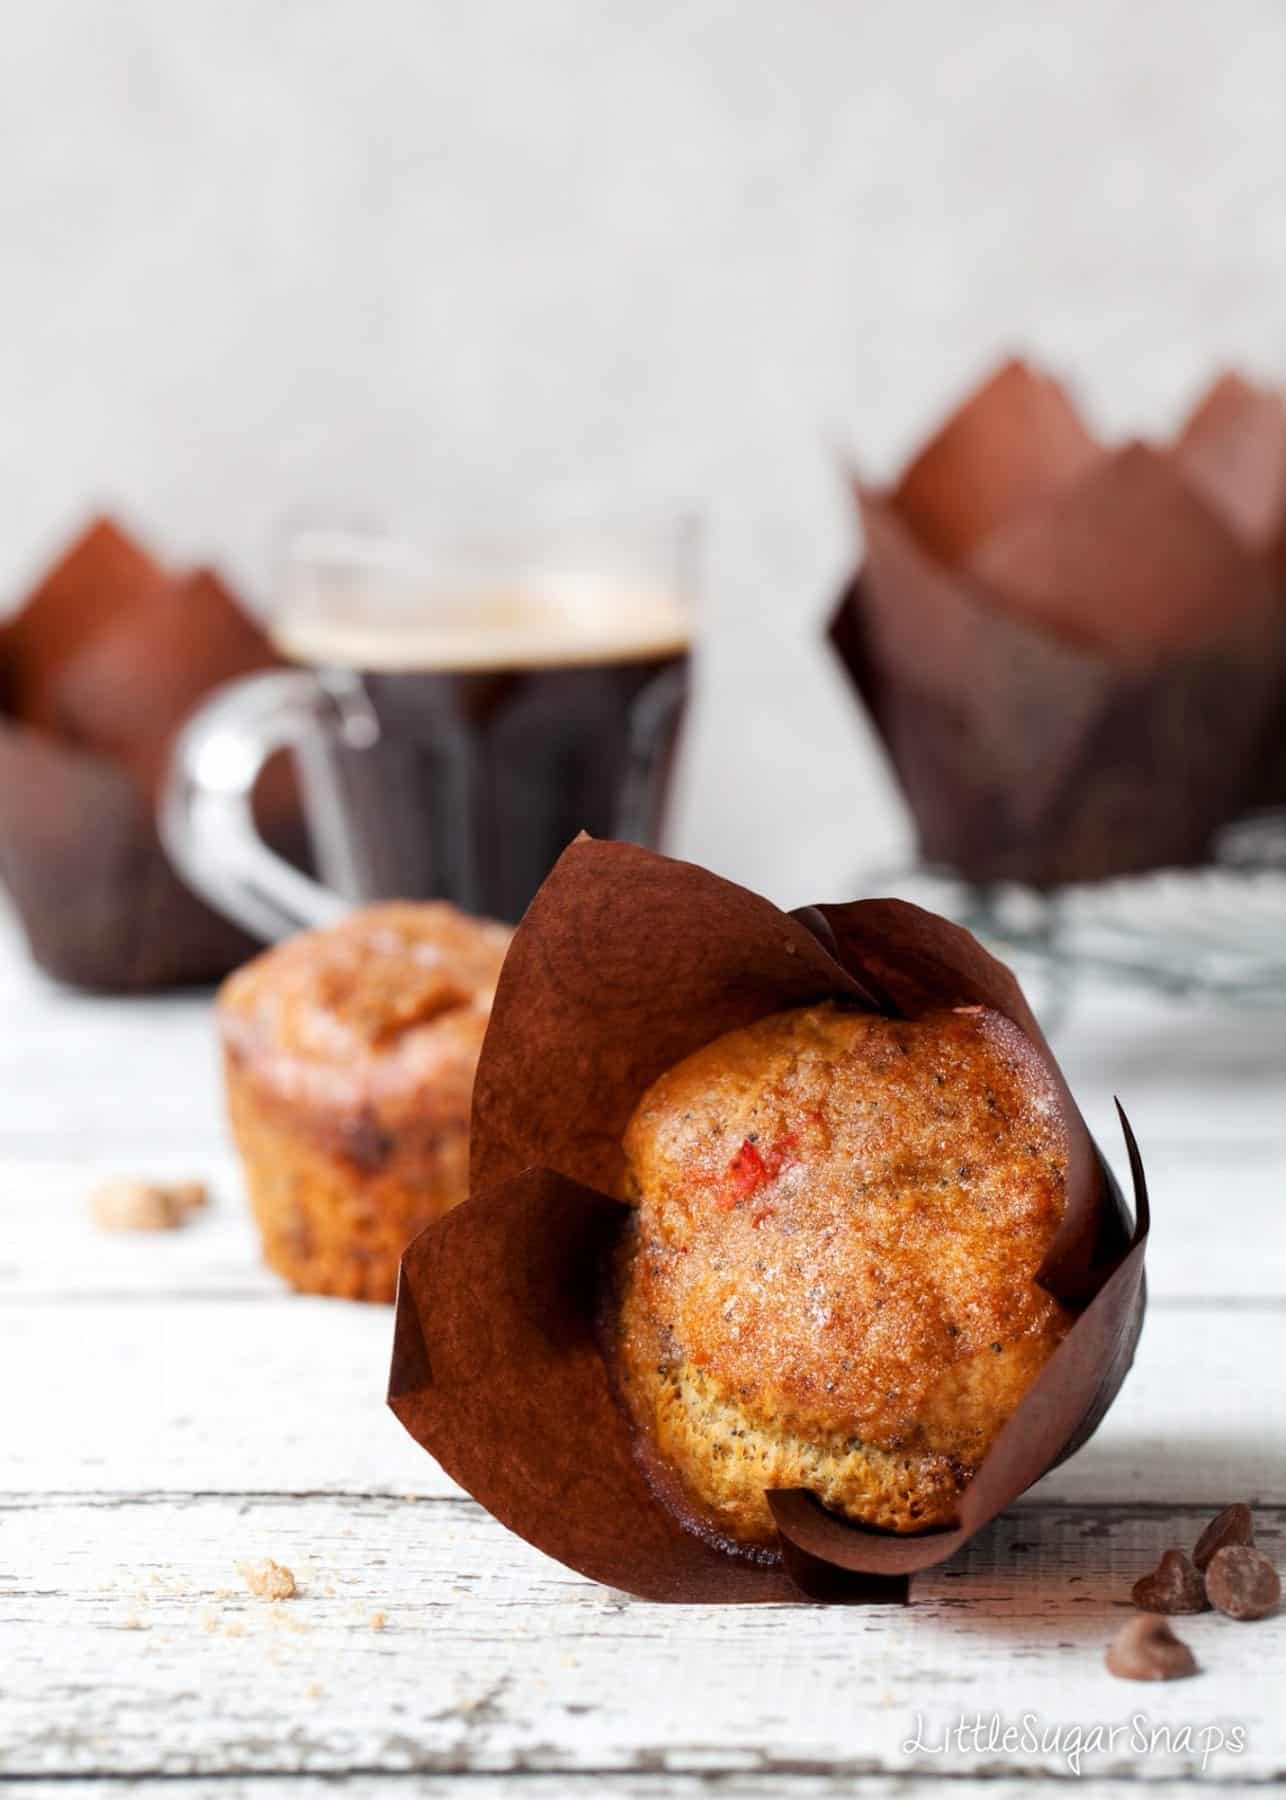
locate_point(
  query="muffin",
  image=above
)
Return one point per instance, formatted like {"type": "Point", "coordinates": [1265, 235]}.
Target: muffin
{"type": "Point", "coordinates": [349, 1055]}
{"type": "Point", "coordinates": [830, 1278]}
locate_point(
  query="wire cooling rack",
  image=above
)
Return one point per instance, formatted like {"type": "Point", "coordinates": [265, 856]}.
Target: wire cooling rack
{"type": "Point", "coordinates": [1219, 929]}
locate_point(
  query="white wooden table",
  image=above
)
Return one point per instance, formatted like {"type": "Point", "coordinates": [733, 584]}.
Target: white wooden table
{"type": "Point", "coordinates": [168, 1411]}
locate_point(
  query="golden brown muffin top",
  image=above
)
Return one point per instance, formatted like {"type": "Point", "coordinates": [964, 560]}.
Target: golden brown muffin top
{"type": "Point", "coordinates": [841, 1216]}
{"type": "Point", "coordinates": [390, 1001]}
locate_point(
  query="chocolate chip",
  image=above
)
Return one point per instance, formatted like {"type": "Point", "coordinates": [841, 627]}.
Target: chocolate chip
{"type": "Point", "coordinates": [1174, 1586]}
{"type": "Point", "coordinates": [1145, 1649]}
{"type": "Point", "coordinates": [125, 1204]}
{"type": "Point", "coordinates": [1232, 1526]}
{"type": "Point", "coordinates": [365, 1143]}
{"type": "Point", "coordinates": [1242, 1582]}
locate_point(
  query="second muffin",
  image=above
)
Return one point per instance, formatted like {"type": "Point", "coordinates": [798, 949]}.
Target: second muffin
{"type": "Point", "coordinates": [350, 1055]}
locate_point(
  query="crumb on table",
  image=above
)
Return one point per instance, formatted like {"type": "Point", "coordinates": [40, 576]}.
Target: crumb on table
{"type": "Point", "coordinates": [129, 1204]}
{"type": "Point", "coordinates": [268, 1580]}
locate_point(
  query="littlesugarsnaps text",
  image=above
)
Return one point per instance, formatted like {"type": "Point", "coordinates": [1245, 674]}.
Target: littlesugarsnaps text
{"type": "Point", "coordinates": [992, 1734]}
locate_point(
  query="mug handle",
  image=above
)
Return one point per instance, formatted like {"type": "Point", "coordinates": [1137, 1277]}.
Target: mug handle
{"type": "Point", "coordinates": [206, 817]}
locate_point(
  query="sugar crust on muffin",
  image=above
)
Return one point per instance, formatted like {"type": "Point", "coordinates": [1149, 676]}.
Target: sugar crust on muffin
{"type": "Point", "coordinates": [830, 1279]}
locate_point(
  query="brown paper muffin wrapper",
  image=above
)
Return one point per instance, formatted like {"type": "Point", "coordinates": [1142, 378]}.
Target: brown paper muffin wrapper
{"type": "Point", "coordinates": [1233, 449]}
{"type": "Point", "coordinates": [97, 900]}
{"type": "Point", "coordinates": [1073, 656]}
{"type": "Point", "coordinates": [625, 963]}
{"type": "Point", "coordinates": [97, 671]}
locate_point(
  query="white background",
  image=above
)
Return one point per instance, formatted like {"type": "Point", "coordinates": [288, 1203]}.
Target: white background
{"type": "Point", "coordinates": [460, 261]}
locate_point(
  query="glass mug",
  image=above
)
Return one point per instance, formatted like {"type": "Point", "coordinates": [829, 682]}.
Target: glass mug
{"type": "Point", "coordinates": [455, 719]}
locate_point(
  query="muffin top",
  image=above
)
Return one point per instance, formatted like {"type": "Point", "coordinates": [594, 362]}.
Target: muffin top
{"type": "Point", "coordinates": [390, 1002]}
{"type": "Point", "coordinates": [840, 1218]}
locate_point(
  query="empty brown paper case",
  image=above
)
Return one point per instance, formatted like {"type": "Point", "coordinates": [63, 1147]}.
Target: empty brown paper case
{"type": "Point", "coordinates": [1073, 665]}
{"type": "Point", "coordinates": [100, 581]}
{"type": "Point", "coordinates": [1233, 448]}
{"type": "Point", "coordinates": [97, 671]}
{"type": "Point", "coordinates": [1015, 441]}
{"type": "Point", "coordinates": [97, 900]}
{"type": "Point", "coordinates": [625, 963]}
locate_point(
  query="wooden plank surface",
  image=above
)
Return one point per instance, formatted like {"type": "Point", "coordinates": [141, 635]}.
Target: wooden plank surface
{"type": "Point", "coordinates": [426, 1637]}
{"type": "Point", "coordinates": [602, 1784]}
{"type": "Point", "coordinates": [169, 1411]}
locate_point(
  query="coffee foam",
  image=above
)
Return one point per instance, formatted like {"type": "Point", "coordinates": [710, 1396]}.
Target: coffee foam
{"type": "Point", "coordinates": [491, 630]}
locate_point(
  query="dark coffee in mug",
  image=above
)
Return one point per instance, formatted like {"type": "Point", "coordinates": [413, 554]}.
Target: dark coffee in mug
{"type": "Point", "coordinates": [482, 737]}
